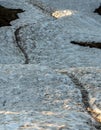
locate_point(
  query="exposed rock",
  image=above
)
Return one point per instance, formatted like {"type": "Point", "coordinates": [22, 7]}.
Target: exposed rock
{"type": "Point", "coordinates": [85, 7]}
{"type": "Point", "coordinates": [9, 52]}
{"type": "Point", "coordinates": [49, 43]}
{"type": "Point", "coordinates": [89, 78]}
{"type": "Point", "coordinates": [19, 42]}
{"type": "Point", "coordinates": [48, 93]}
{"type": "Point", "coordinates": [36, 97]}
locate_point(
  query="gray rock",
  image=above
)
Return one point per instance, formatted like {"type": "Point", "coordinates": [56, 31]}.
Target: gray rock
{"type": "Point", "coordinates": [9, 49]}
{"type": "Point", "coordinates": [43, 95]}
{"type": "Point", "coordinates": [89, 79]}
{"type": "Point", "coordinates": [9, 52]}
{"type": "Point", "coordinates": [86, 7]}
{"type": "Point", "coordinates": [30, 15]}
{"type": "Point", "coordinates": [49, 43]}
{"type": "Point", "coordinates": [37, 97]}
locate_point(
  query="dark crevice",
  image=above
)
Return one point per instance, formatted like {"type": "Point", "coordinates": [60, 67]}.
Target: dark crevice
{"type": "Point", "coordinates": [88, 44]}
{"type": "Point", "coordinates": [44, 9]}
{"type": "Point", "coordinates": [98, 10]}
{"type": "Point", "coordinates": [85, 99]}
{"type": "Point", "coordinates": [18, 41]}
{"type": "Point", "coordinates": [7, 15]}
{"type": "Point", "coordinates": [4, 103]}
{"type": "Point", "coordinates": [84, 92]}
{"type": "Point", "coordinates": [40, 7]}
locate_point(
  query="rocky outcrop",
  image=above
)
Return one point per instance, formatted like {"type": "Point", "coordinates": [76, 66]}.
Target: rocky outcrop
{"type": "Point", "coordinates": [89, 78]}
{"type": "Point", "coordinates": [38, 97]}
{"type": "Point", "coordinates": [47, 83]}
